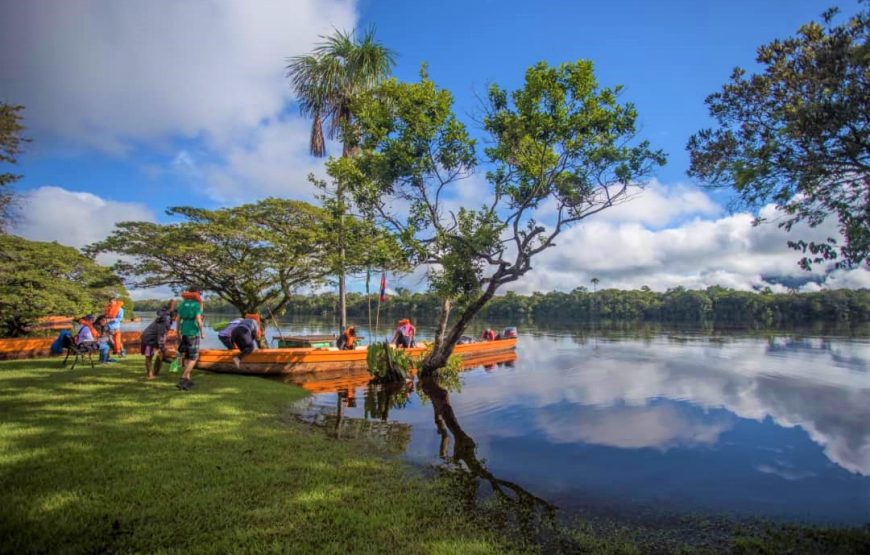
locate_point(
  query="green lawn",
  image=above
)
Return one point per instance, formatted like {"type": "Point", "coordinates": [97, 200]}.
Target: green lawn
{"type": "Point", "coordinates": [99, 461]}
{"type": "Point", "coordinates": [102, 461]}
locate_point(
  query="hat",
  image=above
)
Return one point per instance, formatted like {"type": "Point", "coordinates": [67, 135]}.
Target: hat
{"type": "Point", "coordinates": [89, 317]}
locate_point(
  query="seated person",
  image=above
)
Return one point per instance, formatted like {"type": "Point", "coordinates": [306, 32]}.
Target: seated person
{"type": "Point", "coordinates": [86, 338]}
{"type": "Point", "coordinates": [347, 340]}
{"type": "Point", "coordinates": [244, 338]}
{"type": "Point", "coordinates": [104, 337]}
{"type": "Point", "coordinates": [488, 335]}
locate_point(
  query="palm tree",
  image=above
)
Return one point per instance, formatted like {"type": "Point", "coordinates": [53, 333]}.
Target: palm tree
{"type": "Point", "coordinates": [326, 81]}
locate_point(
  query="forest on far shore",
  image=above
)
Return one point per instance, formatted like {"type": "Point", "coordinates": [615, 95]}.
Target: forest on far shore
{"type": "Point", "coordinates": [715, 304]}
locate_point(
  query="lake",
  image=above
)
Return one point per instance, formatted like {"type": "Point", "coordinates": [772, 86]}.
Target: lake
{"type": "Point", "coordinates": [751, 425]}
{"type": "Point", "coordinates": [642, 421]}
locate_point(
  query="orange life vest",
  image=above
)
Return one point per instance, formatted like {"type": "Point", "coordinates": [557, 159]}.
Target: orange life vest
{"type": "Point", "coordinates": [113, 308]}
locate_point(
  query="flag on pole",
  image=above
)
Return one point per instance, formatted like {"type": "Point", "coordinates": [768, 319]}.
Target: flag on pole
{"type": "Point", "coordinates": [383, 286]}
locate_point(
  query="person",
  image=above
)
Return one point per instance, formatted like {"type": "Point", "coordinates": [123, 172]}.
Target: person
{"type": "Point", "coordinates": [488, 335]}
{"type": "Point", "coordinates": [86, 338]}
{"type": "Point", "coordinates": [224, 336]}
{"type": "Point", "coordinates": [404, 335]}
{"type": "Point", "coordinates": [153, 341]}
{"type": "Point", "coordinates": [115, 315]}
{"type": "Point", "coordinates": [244, 337]}
{"type": "Point", "coordinates": [347, 340]}
{"type": "Point", "coordinates": [190, 331]}
{"type": "Point", "coordinates": [104, 338]}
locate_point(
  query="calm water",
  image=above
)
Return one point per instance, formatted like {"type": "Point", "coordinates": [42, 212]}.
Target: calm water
{"type": "Point", "coordinates": [776, 426]}
{"type": "Point", "coordinates": [773, 425]}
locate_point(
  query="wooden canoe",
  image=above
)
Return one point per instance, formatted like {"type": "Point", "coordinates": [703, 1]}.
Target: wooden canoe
{"type": "Point", "coordinates": [302, 361]}
{"type": "Point", "coordinates": [38, 347]}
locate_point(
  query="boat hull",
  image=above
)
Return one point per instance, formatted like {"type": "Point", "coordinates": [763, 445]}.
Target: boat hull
{"type": "Point", "coordinates": [39, 347]}
{"type": "Point", "coordinates": [306, 360]}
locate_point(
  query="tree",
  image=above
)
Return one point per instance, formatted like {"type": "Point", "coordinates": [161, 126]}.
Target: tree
{"type": "Point", "coordinates": [39, 279]}
{"type": "Point", "coordinates": [561, 147]}
{"type": "Point", "coordinates": [326, 83]}
{"type": "Point", "coordinates": [252, 256]}
{"type": "Point", "coordinates": [10, 146]}
{"type": "Point", "coordinates": [797, 135]}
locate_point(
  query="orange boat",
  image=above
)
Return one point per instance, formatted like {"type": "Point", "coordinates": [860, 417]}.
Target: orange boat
{"type": "Point", "coordinates": [306, 360]}
{"type": "Point", "coordinates": [38, 347]}
{"type": "Point", "coordinates": [332, 381]}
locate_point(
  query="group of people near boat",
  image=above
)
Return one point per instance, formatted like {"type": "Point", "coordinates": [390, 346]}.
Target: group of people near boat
{"type": "Point", "coordinates": [102, 333]}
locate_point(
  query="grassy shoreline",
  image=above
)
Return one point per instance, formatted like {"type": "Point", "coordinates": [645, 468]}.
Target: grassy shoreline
{"type": "Point", "coordinates": [102, 461]}
{"type": "Point", "coordinates": [99, 460]}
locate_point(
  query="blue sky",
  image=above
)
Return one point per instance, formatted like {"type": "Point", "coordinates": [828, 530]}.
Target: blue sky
{"type": "Point", "coordinates": [137, 106]}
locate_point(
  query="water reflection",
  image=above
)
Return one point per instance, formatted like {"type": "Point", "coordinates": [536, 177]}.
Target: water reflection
{"type": "Point", "coordinates": [773, 425]}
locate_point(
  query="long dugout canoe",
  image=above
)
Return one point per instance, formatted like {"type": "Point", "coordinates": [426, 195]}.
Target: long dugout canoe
{"type": "Point", "coordinates": [39, 347]}
{"type": "Point", "coordinates": [307, 360]}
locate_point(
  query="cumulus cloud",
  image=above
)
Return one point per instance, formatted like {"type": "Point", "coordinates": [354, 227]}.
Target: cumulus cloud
{"type": "Point", "coordinates": [116, 76]}
{"type": "Point", "coordinates": [72, 218]}
{"type": "Point", "coordinates": [107, 73]}
{"type": "Point", "coordinates": [624, 253]}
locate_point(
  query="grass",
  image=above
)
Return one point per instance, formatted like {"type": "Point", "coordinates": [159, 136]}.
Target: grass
{"type": "Point", "coordinates": [102, 461]}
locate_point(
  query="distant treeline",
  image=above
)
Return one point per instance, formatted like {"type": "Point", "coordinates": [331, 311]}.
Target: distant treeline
{"type": "Point", "coordinates": [713, 305]}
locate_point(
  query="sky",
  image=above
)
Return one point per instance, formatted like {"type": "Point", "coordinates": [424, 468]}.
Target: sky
{"type": "Point", "coordinates": [136, 106]}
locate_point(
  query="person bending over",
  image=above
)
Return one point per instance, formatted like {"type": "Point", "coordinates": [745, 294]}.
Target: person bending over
{"type": "Point", "coordinates": [244, 338]}
{"type": "Point", "coordinates": [154, 340]}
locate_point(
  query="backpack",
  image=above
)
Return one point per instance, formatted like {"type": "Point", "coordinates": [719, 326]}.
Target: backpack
{"type": "Point", "coordinates": [64, 339]}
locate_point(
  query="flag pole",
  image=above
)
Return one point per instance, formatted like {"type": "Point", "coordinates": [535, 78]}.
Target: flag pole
{"type": "Point", "coordinates": [369, 301]}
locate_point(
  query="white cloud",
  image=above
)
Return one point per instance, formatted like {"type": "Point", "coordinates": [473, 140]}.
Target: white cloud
{"type": "Point", "coordinates": [118, 75]}
{"type": "Point", "coordinates": [273, 161]}
{"type": "Point", "coordinates": [72, 218]}
{"type": "Point", "coordinates": [729, 251]}
{"type": "Point", "coordinates": [108, 74]}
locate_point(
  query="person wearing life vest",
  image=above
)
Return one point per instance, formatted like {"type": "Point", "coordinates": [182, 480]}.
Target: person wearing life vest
{"type": "Point", "coordinates": [190, 331]}
{"type": "Point", "coordinates": [488, 335]}
{"type": "Point", "coordinates": [244, 337]}
{"type": "Point", "coordinates": [347, 340]}
{"type": "Point", "coordinates": [404, 334]}
{"type": "Point", "coordinates": [86, 338]}
{"type": "Point", "coordinates": [115, 315]}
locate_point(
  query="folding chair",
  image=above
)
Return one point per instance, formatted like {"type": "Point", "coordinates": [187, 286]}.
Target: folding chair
{"type": "Point", "coordinates": [79, 352]}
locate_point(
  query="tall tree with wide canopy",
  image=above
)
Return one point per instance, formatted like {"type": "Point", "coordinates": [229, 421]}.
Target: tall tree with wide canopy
{"type": "Point", "coordinates": [326, 82]}
{"type": "Point", "coordinates": [797, 134]}
{"type": "Point", "coordinates": [39, 279]}
{"type": "Point", "coordinates": [562, 149]}
{"type": "Point", "coordinates": [252, 256]}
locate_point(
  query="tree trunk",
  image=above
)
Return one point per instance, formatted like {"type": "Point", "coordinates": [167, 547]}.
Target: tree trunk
{"type": "Point", "coordinates": [442, 324]}
{"type": "Point", "coordinates": [437, 359]}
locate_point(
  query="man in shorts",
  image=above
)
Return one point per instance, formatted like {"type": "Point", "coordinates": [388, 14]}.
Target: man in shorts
{"type": "Point", "coordinates": [154, 340]}
{"type": "Point", "coordinates": [190, 331]}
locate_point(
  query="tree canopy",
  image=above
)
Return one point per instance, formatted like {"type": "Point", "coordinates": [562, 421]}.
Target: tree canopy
{"type": "Point", "coordinates": [10, 146]}
{"type": "Point", "coordinates": [39, 279]}
{"type": "Point", "coordinates": [796, 134]}
{"type": "Point", "coordinates": [253, 256]}
{"type": "Point", "coordinates": [562, 149]}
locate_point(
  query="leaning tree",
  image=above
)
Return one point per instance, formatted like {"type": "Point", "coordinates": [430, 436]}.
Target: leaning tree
{"type": "Point", "coordinates": [562, 149]}
{"type": "Point", "coordinates": [797, 134]}
{"type": "Point", "coordinates": [253, 256]}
